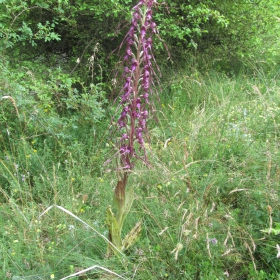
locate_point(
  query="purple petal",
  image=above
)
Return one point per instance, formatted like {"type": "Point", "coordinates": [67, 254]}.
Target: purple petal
{"type": "Point", "coordinates": [149, 15]}
{"type": "Point", "coordinates": [128, 52]}
{"type": "Point", "coordinates": [145, 113]}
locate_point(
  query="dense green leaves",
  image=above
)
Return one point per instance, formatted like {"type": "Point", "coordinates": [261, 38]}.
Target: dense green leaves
{"type": "Point", "coordinates": [222, 30]}
{"type": "Point", "coordinates": [253, 29]}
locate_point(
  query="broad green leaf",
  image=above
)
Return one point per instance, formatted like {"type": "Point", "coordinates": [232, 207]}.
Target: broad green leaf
{"type": "Point", "coordinates": [114, 230]}
{"type": "Point", "coordinates": [122, 213]}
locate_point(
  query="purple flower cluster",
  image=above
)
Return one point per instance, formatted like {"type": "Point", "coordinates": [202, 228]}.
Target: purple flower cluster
{"type": "Point", "coordinates": [213, 241]}
{"type": "Point", "coordinates": [138, 82]}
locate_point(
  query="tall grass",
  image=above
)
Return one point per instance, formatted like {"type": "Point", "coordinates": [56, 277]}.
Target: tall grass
{"type": "Point", "coordinates": [213, 186]}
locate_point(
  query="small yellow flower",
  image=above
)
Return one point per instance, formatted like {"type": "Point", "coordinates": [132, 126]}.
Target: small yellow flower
{"type": "Point", "coordinates": [16, 241]}
{"type": "Point", "coordinates": [35, 151]}
{"type": "Point", "coordinates": [72, 179]}
{"type": "Point", "coordinates": [159, 187]}
{"type": "Point", "coordinates": [82, 210]}
{"type": "Point", "coordinates": [52, 276]}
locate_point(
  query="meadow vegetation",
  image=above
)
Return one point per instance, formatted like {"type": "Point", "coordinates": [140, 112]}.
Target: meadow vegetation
{"type": "Point", "coordinates": [209, 200]}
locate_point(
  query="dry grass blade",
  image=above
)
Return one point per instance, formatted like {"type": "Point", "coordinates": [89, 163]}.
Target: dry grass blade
{"type": "Point", "coordinates": [91, 268]}
{"type": "Point", "coordinates": [208, 245]}
{"type": "Point", "coordinates": [13, 102]}
{"type": "Point", "coordinates": [84, 223]}
{"type": "Point", "coordinates": [251, 255]}
{"type": "Point", "coordinates": [237, 190]}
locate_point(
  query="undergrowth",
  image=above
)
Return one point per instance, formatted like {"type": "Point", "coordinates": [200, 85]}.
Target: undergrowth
{"type": "Point", "coordinates": [213, 185]}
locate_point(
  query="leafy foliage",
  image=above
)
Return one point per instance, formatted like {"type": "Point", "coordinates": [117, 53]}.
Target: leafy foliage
{"type": "Point", "coordinates": [225, 31]}
{"type": "Point", "coordinates": [251, 33]}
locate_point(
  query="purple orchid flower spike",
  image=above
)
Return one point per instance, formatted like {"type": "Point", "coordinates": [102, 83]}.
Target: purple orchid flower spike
{"type": "Point", "coordinates": [138, 75]}
{"type": "Point", "coordinates": [137, 90]}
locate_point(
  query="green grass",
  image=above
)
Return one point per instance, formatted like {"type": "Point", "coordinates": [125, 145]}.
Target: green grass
{"type": "Point", "coordinates": [213, 186]}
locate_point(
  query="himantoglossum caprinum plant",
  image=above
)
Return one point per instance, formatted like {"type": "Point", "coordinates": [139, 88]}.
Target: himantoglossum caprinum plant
{"type": "Point", "coordinates": [135, 103]}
